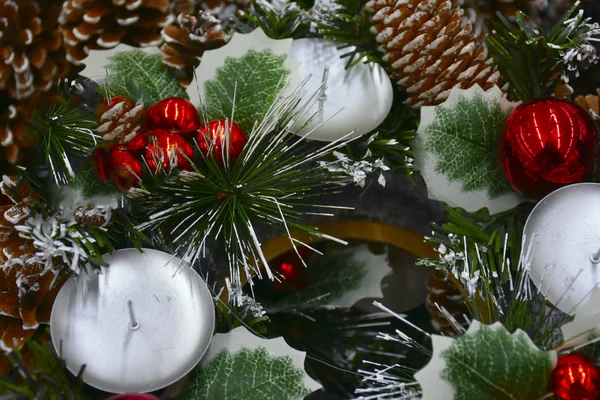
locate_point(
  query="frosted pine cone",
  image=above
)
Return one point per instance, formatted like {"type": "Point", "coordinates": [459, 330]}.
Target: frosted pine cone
{"type": "Point", "coordinates": [27, 291]}
{"type": "Point", "coordinates": [186, 41]}
{"type": "Point", "coordinates": [431, 47]}
{"type": "Point", "coordinates": [120, 119]}
{"type": "Point", "coordinates": [103, 24]}
{"type": "Point", "coordinates": [443, 294]}
{"type": "Point", "coordinates": [31, 53]}
{"type": "Point", "coordinates": [93, 215]}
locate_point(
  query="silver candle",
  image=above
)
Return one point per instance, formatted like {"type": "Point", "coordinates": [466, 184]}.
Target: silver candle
{"type": "Point", "coordinates": [141, 324]}
{"type": "Point", "coordinates": [562, 236]}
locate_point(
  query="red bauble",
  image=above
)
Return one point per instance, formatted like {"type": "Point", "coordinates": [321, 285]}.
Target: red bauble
{"type": "Point", "coordinates": [213, 136]}
{"type": "Point", "coordinates": [548, 144]}
{"type": "Point", "coordinates": [165, 147]}
{"type": "Point", "coordinates": [118, 164]}
{"type": "Point", "coordinates": [575, 378]}
{"type": "Point", "coordinates": [290, 266]}
{"type": "Point", "coordinates": [174, 114]}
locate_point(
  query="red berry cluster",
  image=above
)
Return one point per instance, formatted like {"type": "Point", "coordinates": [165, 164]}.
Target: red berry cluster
{"type": "Point", "coordinates": [166, 142]}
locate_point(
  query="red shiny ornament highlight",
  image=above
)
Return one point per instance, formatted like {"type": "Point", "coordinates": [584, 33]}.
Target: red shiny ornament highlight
{"type": "Point", "coordinates": [548, 144]}
{"type": "Point", "coordinates": [290, 266]}
{"type": "Point", "coordinates": [167, 149]}
{"type": "Point", "coordinates": [118, 164]}
{"type": "Point", "coordinates": [212, 136]}
{"type": "Point", "coordinates": [174, 114]}
{"type": "Point", "coordinates": [575, 378]}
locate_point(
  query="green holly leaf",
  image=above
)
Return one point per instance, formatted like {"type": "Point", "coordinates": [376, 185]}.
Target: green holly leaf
{"type": "Point", "coordinates": [487, 363]}
{"type": "Point", "coordinates": [242, 366]}
{"type": "Point", "coordinates": [457, 150]}
{"type": "Point", "coordinates": [141, 76]}
{"type": "Point", "coordinates": [465, 139]}
{"type": "Point", "coordinates": [250, 82]}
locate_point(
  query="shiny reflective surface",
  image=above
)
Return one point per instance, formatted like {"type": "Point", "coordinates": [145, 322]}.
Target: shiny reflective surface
{"type": "Point", "coordinates": [576, 378]}
{"type": "Point", "coordinates": [212, 137]}
{"type": "Point", "coordinates": [561, 234]}
{"type": "Point", "coordinates": [164, 147]}
{"type": "Point", "coordinates": [174, 114]}
{"type": "Point", "coordinates": [174, 308]}
{"type": "Point", "coordinates": [548, 144]}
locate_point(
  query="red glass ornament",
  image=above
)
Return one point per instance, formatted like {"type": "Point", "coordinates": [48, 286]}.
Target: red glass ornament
{"type": "Point", "coordinates": [174, 114]}
{"type": "Point", "coordinates": [548, 144]}
{"type": "Point", "coordinates": [118, 164]}
{"type": "Point", "coordinates": [126, 168]}
{"type": "Point", "coordinates": [213, 136]}
{"type": "Point", "coordinates": [165, 147]}
{"type": "Point", "coordinates": [138, 143]}
{"type": "Point", "coordinates": [290, 266]}
{"type": "Point", "coordinates": [133, 396]}
{"type": "Point", "coordinates": [575, 378]}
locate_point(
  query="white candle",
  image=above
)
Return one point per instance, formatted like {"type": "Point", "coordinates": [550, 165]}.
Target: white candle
{"type": "Point", "coordinates": [142, 324]}
{"type": "Point", "coordinates": [355, 99]}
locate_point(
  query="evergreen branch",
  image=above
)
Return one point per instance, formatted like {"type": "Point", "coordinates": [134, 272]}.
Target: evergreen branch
{"type": "Point", "coordinates": [483, 253]}
{"type": "Point", "coordinates": [225, 202]}
{"type": "Point", "coordinates": [279, 19]}
{"type": "Point", "coordinates": [535, 64]}
{"type": "Point", "coordinates": [65, 133]}
{"type": "Point", "coordinates": [42, 375]}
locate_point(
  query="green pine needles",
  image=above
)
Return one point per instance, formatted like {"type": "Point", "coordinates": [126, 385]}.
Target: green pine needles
{"type": "Point", "coordinates": [534, 64]}
{"type": "Point", "coordinates": [271, 184]}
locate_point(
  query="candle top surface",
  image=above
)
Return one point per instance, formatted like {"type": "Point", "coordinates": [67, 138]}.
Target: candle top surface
{"type": "Point", "coordinates": [90, 322]}
{"type": "Point", "coordinates": [356, 99]}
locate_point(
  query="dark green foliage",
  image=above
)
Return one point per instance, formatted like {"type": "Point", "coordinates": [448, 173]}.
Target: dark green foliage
{"type": "Point", "coordinates": [534, 63]}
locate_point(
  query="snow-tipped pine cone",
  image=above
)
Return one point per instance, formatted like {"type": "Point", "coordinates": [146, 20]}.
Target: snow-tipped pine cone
{"type": "Point", "coordinates": [443, 294]}
{"type": "Point", "coordinates": [431, 47]}
{"type": "Point", "coordinates": [187, 39]}
{"type": "Point", "coordinates": [120, 119]}
{"type": "Point", "coordinates": [104, 24]}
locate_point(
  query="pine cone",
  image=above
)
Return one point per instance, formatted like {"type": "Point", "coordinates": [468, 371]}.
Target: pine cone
{"type": "Point", "coordinates": [591, 103]}
{"type": "Point", "coordinates": [27, 291]}
{"type": "Point", "coordinates": [187, 39]}
{"type": "Point", "coordinates": [431, 48]}
{"type": "Point", "coordinates": [120, 119]}
{"type": "Point", "coordinates": [93, 215]}
{"type": "Point", "coordinates": [33, 59]}
{"type": "Point", "coordinates": [443, 293]}
{"type": "Point", "coordinates": [103, 24]}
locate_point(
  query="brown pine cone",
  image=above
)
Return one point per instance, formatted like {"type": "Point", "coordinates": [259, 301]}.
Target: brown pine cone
{"type": "Point", "coordinates": [103, 24]}
{"type": "Point", "coordinates": [183, 7]}
{"type": "Point", "coordinates": [187, 39]}
{"type": "Point", "coordinates": [443, 293]}
{"type": "Point", "coordinates": [431, 47]}
{"type": "Point", "coordinates": [591, 103]}
{"type": "Point", "coordinates": [120, 119]}
{"type": "Point", "coordinates": [33, 59]}
{"type": "Point", "coordinates": [27, 290]}
{"type": "Point", "coordinates": [92, 215]}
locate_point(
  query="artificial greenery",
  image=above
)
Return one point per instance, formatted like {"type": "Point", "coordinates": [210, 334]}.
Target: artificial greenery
{"type": "Point", "coordinates": [247, 84]}
{"type": "Point", "coordinates": [141, 76]}
{"type": "Point", "coordinates": [248, 374]}
{"type": "Point", "coordinates": [279, 19]}
{"type": "Point", "coordinates": [64, 132]}
{"type": "Point", "coordinates": [464, 139]}
{"type": "Point", "coordinates": [489, 247]}
{"type": "Point", "coordinates": [490, 363]}
{"type": "Point", "coordinates": [39, 375]}
{"type": "Point", "coordinates": [534, 63]}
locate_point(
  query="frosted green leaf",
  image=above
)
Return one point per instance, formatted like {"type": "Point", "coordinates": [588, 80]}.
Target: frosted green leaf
{"type": "Point", "coordinates": [248, 374]}
{"type": "Point", "coordinates": [142, 77]}
{"type": "Point", "coordinates": [464, 139]}
{"type": "Point", "coordinates": [493, 364]}
{"type": "Point", "coordinates": [259, 76]}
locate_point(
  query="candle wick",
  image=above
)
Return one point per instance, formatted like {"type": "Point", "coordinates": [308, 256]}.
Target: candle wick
{"type": "Point", "coordinates": [134, 324]}
{"type": "Point", "coordinates": [323, 94]}
{"type": "Point", "coordinates": [595, 257]}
